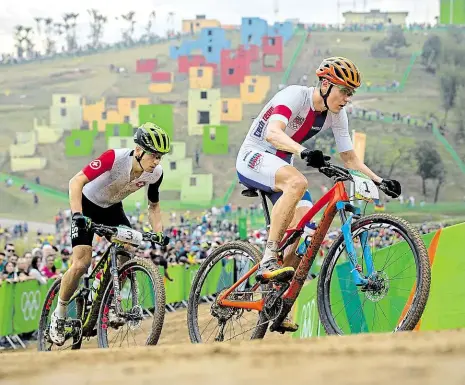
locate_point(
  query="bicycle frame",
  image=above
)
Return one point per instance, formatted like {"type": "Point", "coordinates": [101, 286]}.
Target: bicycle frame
{"type": "Point", "coordinates": [335, 200]}
{"type": "Point", "coordinates": [109, 259]}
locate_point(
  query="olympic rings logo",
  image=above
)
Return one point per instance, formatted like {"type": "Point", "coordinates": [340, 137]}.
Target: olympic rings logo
{"type": "Point", "coordinates": [30, 303]}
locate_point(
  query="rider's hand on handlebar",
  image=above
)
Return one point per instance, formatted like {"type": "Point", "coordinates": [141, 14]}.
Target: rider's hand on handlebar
{"type": "Point", "coordinates": [160, 238]}
{"type": "Point", "coordinates": [81, 221]}
{"type": "Point", "coordinates": [314, 158]}
{"type": "Point", "coordinates": [390, 187]}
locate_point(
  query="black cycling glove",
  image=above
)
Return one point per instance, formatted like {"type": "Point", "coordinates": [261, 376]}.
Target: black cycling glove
{"type": "Point", "coordinates": [314, 158]}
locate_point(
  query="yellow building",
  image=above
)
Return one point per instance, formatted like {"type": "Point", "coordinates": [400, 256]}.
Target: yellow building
{"type": "Point", "coordinates": [203, 108]}
{"type": "Point", "coordinates": [196, 25]}
{"type": "Point", "coordinates": [375, 16]}
{"type": "Point", "coordinates": [102, 115]}
{"type": "Point", "coordinates": [254, 89]}
{"type": "Point", "coordinates": [231, 110]}
{"type": "Point", "coordinates": [201, 77]}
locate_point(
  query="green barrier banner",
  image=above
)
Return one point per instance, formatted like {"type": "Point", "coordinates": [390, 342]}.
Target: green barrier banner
{"type": "Point", "coordinates": [306, 313]}
{"type": "Point", "coordinates": [175, 291]}
{"type": "Point", "coordinates": [445, 308]}
{"type": "Point", "coordinates": [28, 298]}
{"type": "Point", "coordinates": [146, 296]}
{"type": "Point", "coordinates": [6, 309]}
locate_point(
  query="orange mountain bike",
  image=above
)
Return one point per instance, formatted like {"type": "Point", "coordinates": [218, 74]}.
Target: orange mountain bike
{"type": "Point", "coordinates": [375, 277]}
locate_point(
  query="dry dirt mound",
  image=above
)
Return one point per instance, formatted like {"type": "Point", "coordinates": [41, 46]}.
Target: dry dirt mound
{"type": "Point", "coordinates": [403, 358]}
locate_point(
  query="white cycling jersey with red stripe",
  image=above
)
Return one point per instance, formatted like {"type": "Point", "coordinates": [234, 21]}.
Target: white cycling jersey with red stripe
{"type": "Point", "coordinates": [294, 106]}
{"type": "Point", "coordinates": [109, 177]}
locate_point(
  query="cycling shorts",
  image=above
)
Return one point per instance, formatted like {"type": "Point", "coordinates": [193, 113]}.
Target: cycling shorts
{"type": "Point", "coordinates": [257, 169]}
{"type": "Point", "coordinates": [109, 216]}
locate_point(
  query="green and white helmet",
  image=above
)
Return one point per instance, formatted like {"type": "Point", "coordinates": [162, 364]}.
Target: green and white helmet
{"type": "Point", "coordinates": [152, 138]}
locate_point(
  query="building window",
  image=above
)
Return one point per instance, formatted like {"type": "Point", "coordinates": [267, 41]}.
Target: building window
{"type": "Point", "coordinates": [63, 99]}
{"type": "Point", "coordinates": [77, 143]}
{"type": "Point", "coordinates": [254, 80]}
{"type": "Point", "coordinates": [225, 109]}
{"type": "Point", "coordinates": [200, 73]}
{"type": "Point", "coordinates": [126, 119]}
{"type": "Point", "coordinates": [249, 38]}
{"type": "Point", "coordinates": [209, 49]}
{"type": "Point", "coordinates": [104, 115]}
{"type": "Point", "coordinates": [193, 181]}
{"type": "Point", "coordinates": [116, 130]}
{"type": "Point", "coordinates": [230, 71]}
{"type": "Point", "coordinates": [203, 94]}
{"type": "Point", "coordinates": [133, 104]}
{"type": "Point", "coordinates": [172, 165]}
{"type": "Point", "coordinates": [212, 133]}
{"type": "Point", "coordinates": [203, 117]}
{"type": "Point", "coordinates": [272, 41]}
{"type": "Point", "coordinates": [250, 22]}
{"type": "Point", "coordinates": [63, 111]}
{"type": "Point", "coordinates": [209, 32]}
{"type": "Point", "coordinates": [251, 89]}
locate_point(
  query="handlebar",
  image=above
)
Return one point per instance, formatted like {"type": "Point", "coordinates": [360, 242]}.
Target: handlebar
{"type": "Point", "coordinates": [109, 231]}
{"type": "Point", "coordinates": [341, 174]}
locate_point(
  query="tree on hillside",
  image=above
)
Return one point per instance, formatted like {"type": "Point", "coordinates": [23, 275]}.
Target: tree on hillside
{"type": "Point", "coordinates": [50, 43]}
{"type": "Point", "coordinates": [431, 53]}
{"type": "Point", "coordinates": [97, 22]}
{"type": "Point", "coordinates": [386, 159]}
{"type": "Point", "coordinates": [430, 166]}
{"type": "Point", "coordinates": [128, 32]}
{"type": "Point", "coordinates": [450, 80]}
{"type": "Point", "coordinates": [460, 113]}
{"type": "Point", "coordinates": [69, 26]}
{"type": "Point", "coordinates": [390, 45]}
{"type": "Point", "coordinates": [19, 38]}
{"type": "Point", "coordinates": [149, 35]}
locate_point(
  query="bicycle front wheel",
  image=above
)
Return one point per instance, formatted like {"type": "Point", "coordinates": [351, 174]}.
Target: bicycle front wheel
{"type": "Point", "coordinates": [399, 281]}
{"type": "Point", "coordinates": [142, 303]}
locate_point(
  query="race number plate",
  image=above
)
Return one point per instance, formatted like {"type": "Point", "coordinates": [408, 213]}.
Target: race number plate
{"type": "Point", "coordinates": [365, 188]}
{"type": "Point", "coordinates": [128, 235]}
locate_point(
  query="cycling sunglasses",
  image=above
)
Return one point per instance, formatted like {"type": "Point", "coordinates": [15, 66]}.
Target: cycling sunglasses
{"type": "Point", "coordinates": [345, 90]}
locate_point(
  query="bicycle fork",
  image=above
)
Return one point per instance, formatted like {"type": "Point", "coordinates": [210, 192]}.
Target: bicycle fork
{"type": "Point", "coordinates": [115, 277]}
{"type": "Point", "coordinates": [358, 278]}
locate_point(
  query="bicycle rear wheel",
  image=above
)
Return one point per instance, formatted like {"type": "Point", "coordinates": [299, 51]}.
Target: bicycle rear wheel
{"type": "Point", "coordinates": [143, 305]}
{"type": "Point", "coordinates": [401, 279]}
{"type": "Point", "coordinates": [218, 272]}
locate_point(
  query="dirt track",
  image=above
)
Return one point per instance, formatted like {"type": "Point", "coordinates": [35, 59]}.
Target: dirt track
{"type": "Point", "coordinates": [407, 358]}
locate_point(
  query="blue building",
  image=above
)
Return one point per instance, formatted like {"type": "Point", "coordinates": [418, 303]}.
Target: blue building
{"type": "Point", "coordinates": [252, 31]}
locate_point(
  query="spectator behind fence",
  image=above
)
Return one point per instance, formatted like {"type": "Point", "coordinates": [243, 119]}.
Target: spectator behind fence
{"type": "Point", "coordinates": [35, 273]}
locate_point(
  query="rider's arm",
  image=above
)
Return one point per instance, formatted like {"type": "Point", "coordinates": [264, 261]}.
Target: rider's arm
{"type": "Point", "coordinates": [92, 171]}
{"type": "Point", "coordinates": [153, 195]}
{"type": "Point", "coordinates": [76, 184]}
{"type": "Point", "coordinates": [352, 161]}
{"type": "Point", "coordinates": [275, 135]}
{"type": "Point", "coordinates": [287, 102]}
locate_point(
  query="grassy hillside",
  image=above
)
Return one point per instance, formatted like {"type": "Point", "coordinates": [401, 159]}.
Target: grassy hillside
{"type": "Point", "coordinates": [32, 85]}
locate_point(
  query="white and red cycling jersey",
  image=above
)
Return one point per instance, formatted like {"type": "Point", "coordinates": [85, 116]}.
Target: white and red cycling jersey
{"type": "Point", "coordinates": [294, 106]}
{"type": "Point", "coordinates": [109, 177]}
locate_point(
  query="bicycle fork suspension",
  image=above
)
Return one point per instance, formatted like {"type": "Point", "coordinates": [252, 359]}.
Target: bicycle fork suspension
{"type": "Point", "coordinates": [346, 220]}
{"type": "Point", "coordinates": [115, 277]}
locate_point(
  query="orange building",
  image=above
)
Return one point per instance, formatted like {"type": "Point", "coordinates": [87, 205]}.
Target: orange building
{"type": "Point", "coordinates": [101, 114]}
{"type": "Point", "coordinates": [201, 77]}
{"type": "Point", "coordinates": [231, 110]}
{"type": "Point", "coordinates": [195, 26]}
{"type": "Point", "coordinates": [254, 89]}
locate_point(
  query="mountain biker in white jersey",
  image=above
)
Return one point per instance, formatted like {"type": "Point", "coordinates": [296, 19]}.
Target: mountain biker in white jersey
{"type": "Point", "coordinates": [265, 159]}
{"type": "Point", "coordinates": [95, 195]}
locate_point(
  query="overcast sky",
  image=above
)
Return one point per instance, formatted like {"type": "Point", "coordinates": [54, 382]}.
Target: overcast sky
{"type": "Point", "coordinates": [22, 12]}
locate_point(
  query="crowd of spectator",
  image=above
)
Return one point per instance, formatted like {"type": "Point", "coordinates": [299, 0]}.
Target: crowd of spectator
{"type": "Point", "coordinates": [192, 239]}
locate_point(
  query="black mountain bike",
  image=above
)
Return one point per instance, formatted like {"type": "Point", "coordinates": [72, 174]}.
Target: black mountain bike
{"type": "Point", "coordinates": [128, 291]}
